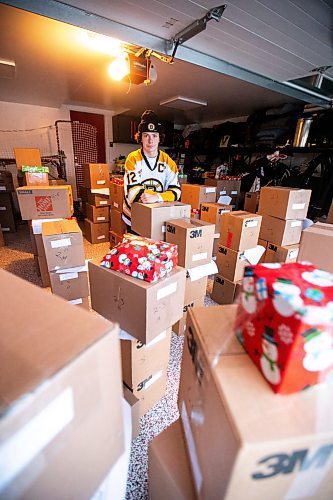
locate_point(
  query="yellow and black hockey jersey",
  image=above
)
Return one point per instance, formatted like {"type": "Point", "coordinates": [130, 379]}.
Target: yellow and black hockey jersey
{"type": "Point", "coordinates": [141, 176]}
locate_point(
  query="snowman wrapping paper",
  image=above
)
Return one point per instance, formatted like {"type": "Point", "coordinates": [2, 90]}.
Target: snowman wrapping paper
{"type": "Point", "coordinates": [142, 258]}
{"type": "Point", "coordinates": [285, 323]}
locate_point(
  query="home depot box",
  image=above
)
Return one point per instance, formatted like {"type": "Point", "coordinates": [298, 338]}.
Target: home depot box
{"type": "Point", "coordinates": [116, 195]}
{"type": "Point", "coordinates": [194, 238]}
{"type": "Point", "coordinates": [96, 175]}
{"type": "Point", "coordinates": [143, 309]}
{"type": "Point", "coordinates": [277, 253]}
{"type": "Point", "coordinates": [117, 225]}
{"type": "Point", "coordinates": [6, 181]}
{"type": "Point", "coordinates": [240, 230]}
{"type": "Point", "coordinates": [70, 284]}
{"type": "Point", "coordinates": [114, 239]}
{"type": "Point", "coordinates": [149, 219]}
{"type": "Point", "coordinates": [97, 214]}
{"type": "Point", "coordinates": [279, 231]}
{"type": "Point", "coordinates": [317, 246]}
{"type": "Point", "coordinates": [231, 264]}
{"type": "Point", "coordinates": [7, 218]}
{"type": "Point", "coordinates": [225, 291]}
{"type": "Point", "coordinates": [98, 199]}
{"type": "Point", "coordinates": [50, 352]}
{"type": "Point", "coordinates": [284, 203]}
{"type": "Point", "coordinates": [96, 233]}
{"type": "Point", "coordinates": [251, 202]}
{"type": "Point", "coordinates": [63, 244]}
{"type": "Point", "coordinates": [139, 360]}
{"type": "Point", "coordinates": [212, 212]}
{"type": "Point", "coordinates": [195, 194]}
{"type": "Point", "coordinates": [226, 187]}
{"type": "Point", "coordinates": [180, 327]}
{"type": "Point", "coordinates": [45, 202]}
{"type": "Point", "coordinates": [169, 474]}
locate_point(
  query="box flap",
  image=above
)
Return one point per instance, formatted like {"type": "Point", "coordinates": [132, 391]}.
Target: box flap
{"type": "Point", "coordinates": [60, 227]}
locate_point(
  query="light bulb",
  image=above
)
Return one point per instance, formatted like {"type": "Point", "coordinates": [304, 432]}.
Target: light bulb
{"type": "Point", "coordinates": [119, 68]}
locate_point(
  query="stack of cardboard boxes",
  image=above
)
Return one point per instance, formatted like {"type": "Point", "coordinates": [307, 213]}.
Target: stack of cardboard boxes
{"type": "Point", "coordinates": [283, 211]}
{"type": "Point", "coordinates": [7, 217]}
{"type": "Point", "coordinates": [226, 186]}
{"type": "Point", "coordinates": [95, 196]}
{"type": "Point", "coordinates": [238, 241]}
{"type": "Point", "coordinates": [212, 212]}
{"type": "Point", "coordinates": [117, 225]}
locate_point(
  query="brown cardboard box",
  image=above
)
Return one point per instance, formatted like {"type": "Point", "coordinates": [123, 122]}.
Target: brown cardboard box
{"type": "Point", "coordinates": [169, 474]}
{"type": "Point", "coordinates": [284, 203]}
{"type": "Point", "coordinates": [251, 202]}
{"type": "Point", "coordinates": [7, 218]}
{"type": "Point", "coordinates": [277, 253]}
{"type": "Point", "coordinates": [61, 395]}
{"type": "Point", "coordinates": [63, 244]}
{"type": "Point", "coordinates": [96, 233]}
{"type": "Point", "coordinates": [212, 212]}
{"type": "Point", "coordinates": [96, 175]}
{"type": "Point", "coordinates": [97, 214]}
{"type": "Point", "coordinates": [225, 291]}
{"type": "Point", "coordinates": [231, 264]}
{"type": "Point", "coordinates": [114, 239]}
{"type": "Point", "coordinates": [117, 225]}
{"type": "Point", "coordinates": [149, 220]}
{"type": "Point", "coordinates": [226, 187]}
{"type": "Point", "coordinates": [70, 285]}
{"type": "Point", "coordinates": [240, 230]}
{"type": "Point", "coordinates": [216, 244]}
{"type": "Point", "coordinates": [45, 202]}
{"type": "Point", "coordinates": [6, 181]}
{"type": "Point", "coordinates": [43, 271]}
{"type": "Point", "coordinates": [57, 182]}
{"type": "Point", "coordinates": [262, 243]}
{"type": "Point", "coordinates": [116, 196]}
{"type": "Point", "coordinates": [194, 238]}
{"type": "Point", "coordinates": [180, 327]}
{"type": "Point", "coordinates": [80, 301]}
{"type": "Point", "coordinates": [36, 179]}
{"type": "Point", "coordinates": [134, 403]}
{"type": "Point", "coordinates": [258, 443]}
{"type": "Point", "coordinates": [317, 246]}
{"type": "Point", "coordinates": [279, 231]}
{"type": "Point", "coordinates": [329, 219]}
{"type": "Point", "coordinates": [195, 194]}
{"type": "Point", "coordinates": [27, 157]}
{"type": "Point", "coordinates": [194, 288]}
{"type": "Point", "coordinates": [140, 361]}
{"type": "Point", "coordinates": [152, 391]}
{"type": "Point", "coordinates": [98, 200]}
{"type": "Point", "coordinates": [142, 309]}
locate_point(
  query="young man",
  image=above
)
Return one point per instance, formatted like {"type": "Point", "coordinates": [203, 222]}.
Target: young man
{"type": "Point", "coordinates": [150, 174]}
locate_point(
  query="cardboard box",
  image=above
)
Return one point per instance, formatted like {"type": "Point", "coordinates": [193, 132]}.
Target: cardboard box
{"type": "Point", "coordinates": [115, 239]}
{"type": "Point", "coordinates": [226, 187]}
{"type": "Point", "coordinates": [195, 194]}
{"type": "Point", "coordinates": [43, 271]}
{"type": "Point", "coordinates": [212, 212]}
{"type": "Point", "coordinates": [116, 195]}
{"type": "Point", "coordinates": [134, 403]}
{"type": "Point", "coordinates": [284, 203]}
{"type": "Point", "coordinates": [142, 309]}
{"type": "Point", "coordinates": [231, 264]}
{"type": "Point", "coordinates": [71, 284]}
{"type": "Point", "coordinates": [240, 230]}
{"type": "Point", "coordinates": [277, 253]}
{"type": "Point", "coordinates": [63, 244]}
{"type": "Point", "coordinates": [57, 182]}
{"type": "Point", "coordinates": [83, 302]}
{"type": "Point", "coordinates": [36, 179]}
{"type": "Point", "coordinates": [216, 244]}
{"type": "Point", "coordinates": [180, 327]}
{"type": "Point", "coordinates": [61, 395]}
{"type": "Point", "coordinates": [96, 233]}
{"type": "Point", "coordinates": [225, 291]}
{"type": "Point", "coordinates": [117, 225]}
{"type": "Point", "coordinates": [169, 474]}
{"type": "Point", "coordinates": [149, 219]}
{"type": "Point", "coordinates": [97, 214]}
{"type": "Point", "coordinates": [251, 202]}
{"type": "Point", "coordinates": [6, 182]}
{"type": "Point", "coordinates": [317, 246]}
{"type": "Point", "coordinates": [140, 361]}
{"type": "Point", "coordinates": [195, 284]}
{"type": "Point", "coordinates": [194, 238]}
{"type": "Point", "coordinates": [27, 157]}
{"type": "Point", "coordinates": [279, 231]}
{"type": "Point", "coordinates": [98, 200]}
{"type": "Point", "coordinates": [45, 202]}
{"type": "Point", "coordinates": [262, 243]}
{"type": "Point", "coordinates": [7, 218]}
{"type": "Point", "coordinates": [153, 391]}
{"type": "Point", "coordinates": [96, 175]}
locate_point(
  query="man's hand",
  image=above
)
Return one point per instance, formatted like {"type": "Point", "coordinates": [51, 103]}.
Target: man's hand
{"type": "Point", "coordinates": [149, 198]}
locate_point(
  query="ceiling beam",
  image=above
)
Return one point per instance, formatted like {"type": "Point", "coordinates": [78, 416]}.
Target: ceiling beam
{"type": "Point", "coordinates": [60, 11]}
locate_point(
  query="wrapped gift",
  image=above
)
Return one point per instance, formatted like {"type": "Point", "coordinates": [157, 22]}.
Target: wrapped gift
{"type": "Point", "coordinates": [285, 323]}
{"type": "Point", "coordinates": [142, 258]}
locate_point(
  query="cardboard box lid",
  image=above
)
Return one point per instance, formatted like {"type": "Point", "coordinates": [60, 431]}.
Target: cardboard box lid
{"type": "Point", "coordinates": [190, 223]}
{"type": "Point", "coordinates": [215, 328]}
{"type": "Point", "coordinates": [23, 189]}
{"type": "Point", "coordinates": [242, 214]}
{"type": "Point", "coordinates": [62, 226]}
{"type": "Point", "coordinates": [46, 335]}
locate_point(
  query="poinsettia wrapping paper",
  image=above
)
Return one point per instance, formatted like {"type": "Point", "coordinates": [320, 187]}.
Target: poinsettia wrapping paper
{"type": "Point", "coordinates": [142, 258]}
{"type": "Point", "coordinates": [285, 323]}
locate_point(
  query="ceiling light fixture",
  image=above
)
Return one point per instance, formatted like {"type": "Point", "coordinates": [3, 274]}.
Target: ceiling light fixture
{"type": "Point", "coordinates": [119, 68]}
{"type": "Point", "coordinates": [101, 43]}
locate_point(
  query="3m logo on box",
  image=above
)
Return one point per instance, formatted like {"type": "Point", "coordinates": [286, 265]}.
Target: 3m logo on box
{"type": "Point", "coordinates": [196, 233]}
{"type": "Point", "coordinates": [204, 209]}
{"type": "Point", "coordinates": [43, 203]}
{"type": "Point", "coordinates": [219, 280]}
{"type": "Point", "coordinates": [223, 250]}
{"type": "Point", "coordinates": [171, 229]}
